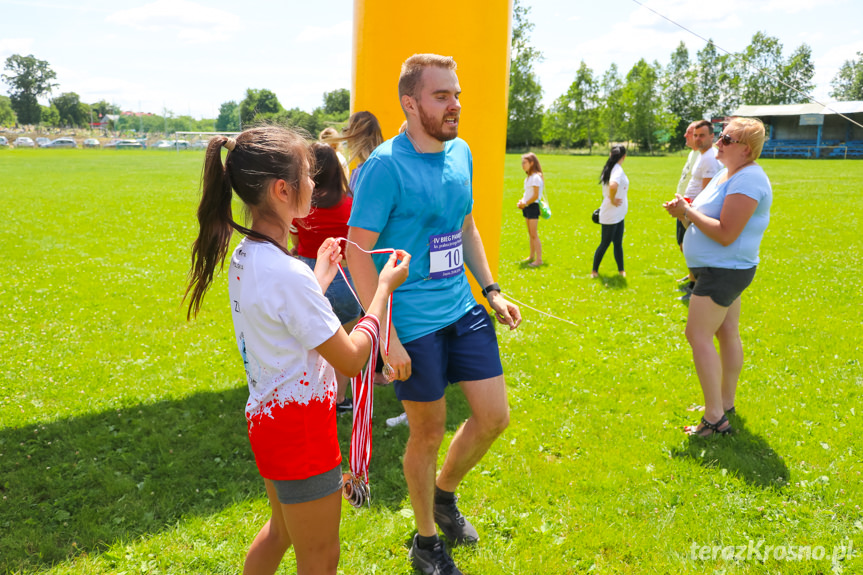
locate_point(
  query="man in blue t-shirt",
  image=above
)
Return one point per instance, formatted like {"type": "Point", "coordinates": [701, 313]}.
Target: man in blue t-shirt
{"type": "Point", "coordinates": [415, 193]}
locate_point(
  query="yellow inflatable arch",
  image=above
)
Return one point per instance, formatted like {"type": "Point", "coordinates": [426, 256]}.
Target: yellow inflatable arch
{"type": "Point", "coordinates": [477, 36]}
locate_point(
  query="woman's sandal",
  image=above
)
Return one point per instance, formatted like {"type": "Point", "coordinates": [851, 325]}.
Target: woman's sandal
{"type": "Point", "coordinates": [714, 428]}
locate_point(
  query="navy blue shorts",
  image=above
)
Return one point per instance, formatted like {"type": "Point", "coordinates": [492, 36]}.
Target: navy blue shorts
{"type": "Point", "coordinates": [464, 351]}
{"type": "Point", "coordinates": [345, 305]}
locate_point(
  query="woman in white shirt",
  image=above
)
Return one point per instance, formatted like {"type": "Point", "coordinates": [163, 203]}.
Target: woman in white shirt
{"type": "Point", "coordinates": [615, 185]}
{"type": "Point", "coordinates": [534, 184]}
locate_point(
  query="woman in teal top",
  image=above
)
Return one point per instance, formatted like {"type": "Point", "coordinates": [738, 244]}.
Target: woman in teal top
{"type": "Point", "coordinates": [725, 225]}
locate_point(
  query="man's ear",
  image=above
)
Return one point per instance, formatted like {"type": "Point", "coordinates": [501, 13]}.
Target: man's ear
{"type": "Point", "coordinates": [408, 104]}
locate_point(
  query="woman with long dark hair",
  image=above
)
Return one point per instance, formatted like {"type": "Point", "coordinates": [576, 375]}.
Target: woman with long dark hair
{"type": "Point", "coordinates": [328, 218]}
{"type": "Point", "coordinates": [288, 336]}
{"type": "Point", "coordinates": [615, 204]}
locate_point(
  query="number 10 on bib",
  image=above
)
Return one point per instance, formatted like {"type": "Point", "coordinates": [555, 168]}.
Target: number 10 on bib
{"type": "Point", "coordinates": [446, 258]}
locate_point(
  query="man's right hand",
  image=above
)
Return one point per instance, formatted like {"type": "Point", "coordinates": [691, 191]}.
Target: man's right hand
{"type": "Point", "coordinates": [398, 359]}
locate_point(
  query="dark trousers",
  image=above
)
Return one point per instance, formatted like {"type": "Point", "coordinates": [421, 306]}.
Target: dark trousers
{"type": "Point", "coordinates": [611, 233]}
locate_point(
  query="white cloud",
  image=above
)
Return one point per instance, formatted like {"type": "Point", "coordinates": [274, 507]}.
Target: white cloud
{"type": "Point", "coordinates": [192, 23]}
{"type": "Point", "coordinates": [9, 46]}
{"type": "Point", "coordinates": [794, 6]}
{"type": "Point", "coordinates": [337, 31]}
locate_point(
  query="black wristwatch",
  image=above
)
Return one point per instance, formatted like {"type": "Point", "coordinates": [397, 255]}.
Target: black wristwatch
{"type": "Point", "coordinates": [490, 288]}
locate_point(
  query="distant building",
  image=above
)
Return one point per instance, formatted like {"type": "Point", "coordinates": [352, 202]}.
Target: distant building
{"type": "Point", "coordinates": [810, 130]}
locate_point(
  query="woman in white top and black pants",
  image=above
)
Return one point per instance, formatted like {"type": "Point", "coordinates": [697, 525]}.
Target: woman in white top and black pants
{"type": "Point", "coordinates": [613, 210]}
{"type": "Point", "coordinates": [529, 205]}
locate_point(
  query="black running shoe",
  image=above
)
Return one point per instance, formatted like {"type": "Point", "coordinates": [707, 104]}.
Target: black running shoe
{"type": "Point", "coordinates": [453, 524]}
{"type": "Point", "coordinates": [346, 405]}
{"type": "Point", "coordinates": [434, 561]}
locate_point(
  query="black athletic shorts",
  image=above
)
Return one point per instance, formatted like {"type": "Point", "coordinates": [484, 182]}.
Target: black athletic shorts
{"type": "Point", "coordinates": [722, 285]}
{"type": "Point", "coordinates": [531, 212]}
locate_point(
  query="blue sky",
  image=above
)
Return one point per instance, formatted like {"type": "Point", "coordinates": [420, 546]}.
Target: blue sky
{"type": "Point", "coordinates": [189, 56]}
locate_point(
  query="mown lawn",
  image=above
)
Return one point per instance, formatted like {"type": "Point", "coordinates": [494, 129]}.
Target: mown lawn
{"type": "Point", "coordinates": [122, 437]}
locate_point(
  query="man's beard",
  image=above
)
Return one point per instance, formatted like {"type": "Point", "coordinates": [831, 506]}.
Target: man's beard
{"type": "Point", "coordinates": [435, 128]}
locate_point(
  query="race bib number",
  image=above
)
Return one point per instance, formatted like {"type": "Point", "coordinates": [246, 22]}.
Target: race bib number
{"type": "Point", "coordinates": [446, 258]}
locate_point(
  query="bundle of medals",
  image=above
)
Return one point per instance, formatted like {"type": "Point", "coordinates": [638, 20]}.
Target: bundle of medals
{"type": "Point", "coordinates": [356, 483]}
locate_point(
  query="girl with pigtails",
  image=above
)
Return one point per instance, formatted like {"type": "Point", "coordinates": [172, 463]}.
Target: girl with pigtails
{"type": "Point", "coordinates": [288, 336]}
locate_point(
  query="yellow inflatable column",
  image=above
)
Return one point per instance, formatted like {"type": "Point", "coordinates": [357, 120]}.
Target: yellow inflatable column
{"type": "Point", "coordinates": [477, 35]}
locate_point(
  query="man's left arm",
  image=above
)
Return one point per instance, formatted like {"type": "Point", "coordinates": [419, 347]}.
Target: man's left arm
{"type": "Point", "coordinates": [474, 256]}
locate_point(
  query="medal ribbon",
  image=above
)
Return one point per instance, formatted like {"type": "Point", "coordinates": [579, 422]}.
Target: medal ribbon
{"type": "Point", "coordinates": [356, 489]}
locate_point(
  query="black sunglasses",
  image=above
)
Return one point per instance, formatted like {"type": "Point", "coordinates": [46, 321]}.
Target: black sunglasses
{"type": "Point", "coordinates": [726, 140]}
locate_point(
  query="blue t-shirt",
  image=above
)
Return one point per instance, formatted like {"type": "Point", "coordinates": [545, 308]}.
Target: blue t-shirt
{"type": "Point", "coordinates": [700, 251]}
{"type": "Point", "coordinates": [418, 203]}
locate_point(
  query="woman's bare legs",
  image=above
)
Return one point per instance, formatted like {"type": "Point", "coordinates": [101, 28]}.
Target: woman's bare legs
{"type": "Point", "coordinates": [312, 528]}
{"type": "Point", "coordinates": [705, 320]}
{"type": "Point", "coordinates": [535, 244]}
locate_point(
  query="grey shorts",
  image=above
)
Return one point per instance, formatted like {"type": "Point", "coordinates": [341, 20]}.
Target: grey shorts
{"type": "Point", "coordinates": [302, 490]}
{"type": "Point", "coordinates": [722, 285]}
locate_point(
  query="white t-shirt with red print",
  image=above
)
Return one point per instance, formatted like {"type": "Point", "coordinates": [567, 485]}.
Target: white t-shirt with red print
{"type": "Point", "coordinates": [280, 316]}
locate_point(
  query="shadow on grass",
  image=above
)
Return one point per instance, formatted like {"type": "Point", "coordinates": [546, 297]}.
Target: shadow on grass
{"type": "Point", "coordinates": [744, 454]}
{"type": "Point", "coordinates": [614, 281]}
{"type": "Point", "coordinates": [386, 478]}
{"type": "Point", "coordinates": [79, 485]}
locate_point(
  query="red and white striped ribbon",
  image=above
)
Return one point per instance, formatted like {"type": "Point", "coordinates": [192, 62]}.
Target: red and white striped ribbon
{"type": "Point", "coordinates": [362, 385]}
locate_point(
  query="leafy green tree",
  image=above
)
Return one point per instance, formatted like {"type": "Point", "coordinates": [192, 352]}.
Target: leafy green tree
{"type": "Point", "coordinates": [86, 114]}
{"type": "Point", "coordinates": [758, 62]}
{"type": "Point", "coordinates": [525, 94]}
{"type": "Point", "coordinates": [680, 87]}
{"type": "Point", "coordinates": [28, 79]}
{"type": "Point", "coordinates": [797, 74]}
{"type": "Point", "coordinates": [611, 113]}
{"type": "Point", "coordinates": [337, 101]}
{"type": "Point", "coordinates": [71, 112]}
{"type": "Point", "coordinates": [7, 114]}
{"type": "Point", "coordinates": [647, 123]}
{"type": "Point", "coordinates": [259, 104]}
{"type": "Point", "coordinates": [730, 83]}
{"type": "Point", "coordinates": [708, 88]}
{"type": "Point", "coordinates": [573, 119]}
{"type": "Point", "coordinates": [49, 116]}
{"type": "Point", "coordinates": [229, 117]}
{"type": "Point", "coordinates": [558, 123]}
{"type": "Point", "coordinates": [847, 84]}
{"type": "Point", "coordinates": [103, 108]}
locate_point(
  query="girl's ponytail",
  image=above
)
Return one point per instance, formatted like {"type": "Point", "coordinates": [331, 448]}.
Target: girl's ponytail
{"type": "Point", "coordinates": [214, 218]}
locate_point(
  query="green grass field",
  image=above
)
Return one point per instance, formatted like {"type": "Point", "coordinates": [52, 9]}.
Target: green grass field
{"type": "Point", "coordinates": [123, 446]}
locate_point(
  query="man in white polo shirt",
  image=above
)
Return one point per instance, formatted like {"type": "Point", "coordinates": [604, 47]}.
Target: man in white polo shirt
{"type": "Point", "coordinates": [706, 166]}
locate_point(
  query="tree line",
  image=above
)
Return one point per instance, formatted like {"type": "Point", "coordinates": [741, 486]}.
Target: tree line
{"type": "Point", "coordinates": [30, 78]}
{"type": "Point", "coordinates": [652, 104]}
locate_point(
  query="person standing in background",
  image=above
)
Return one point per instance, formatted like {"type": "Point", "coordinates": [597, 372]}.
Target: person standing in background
{"type": "Point", "coordinates": [612, 211]}
{"type": "Point", "coordinates": [534, 185]}
{"type": "Point", "coordinates": [704, 169]}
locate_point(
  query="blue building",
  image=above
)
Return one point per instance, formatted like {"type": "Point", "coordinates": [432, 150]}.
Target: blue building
{"type": "Point", "coordinates": [810, 130]}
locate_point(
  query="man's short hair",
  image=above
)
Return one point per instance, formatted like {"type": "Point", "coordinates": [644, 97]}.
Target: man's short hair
{"type": "Point", "coordinates": [701, 124]}
{"type": "Point", "coordinates": [412, 70]}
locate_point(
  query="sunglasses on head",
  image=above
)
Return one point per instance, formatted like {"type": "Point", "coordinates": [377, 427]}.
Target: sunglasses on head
{"type": "Point", "coordinates": [727, 140]}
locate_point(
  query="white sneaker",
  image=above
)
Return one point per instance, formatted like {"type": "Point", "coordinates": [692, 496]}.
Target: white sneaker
{"type": "Point", "coordinates": [398, 420]}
